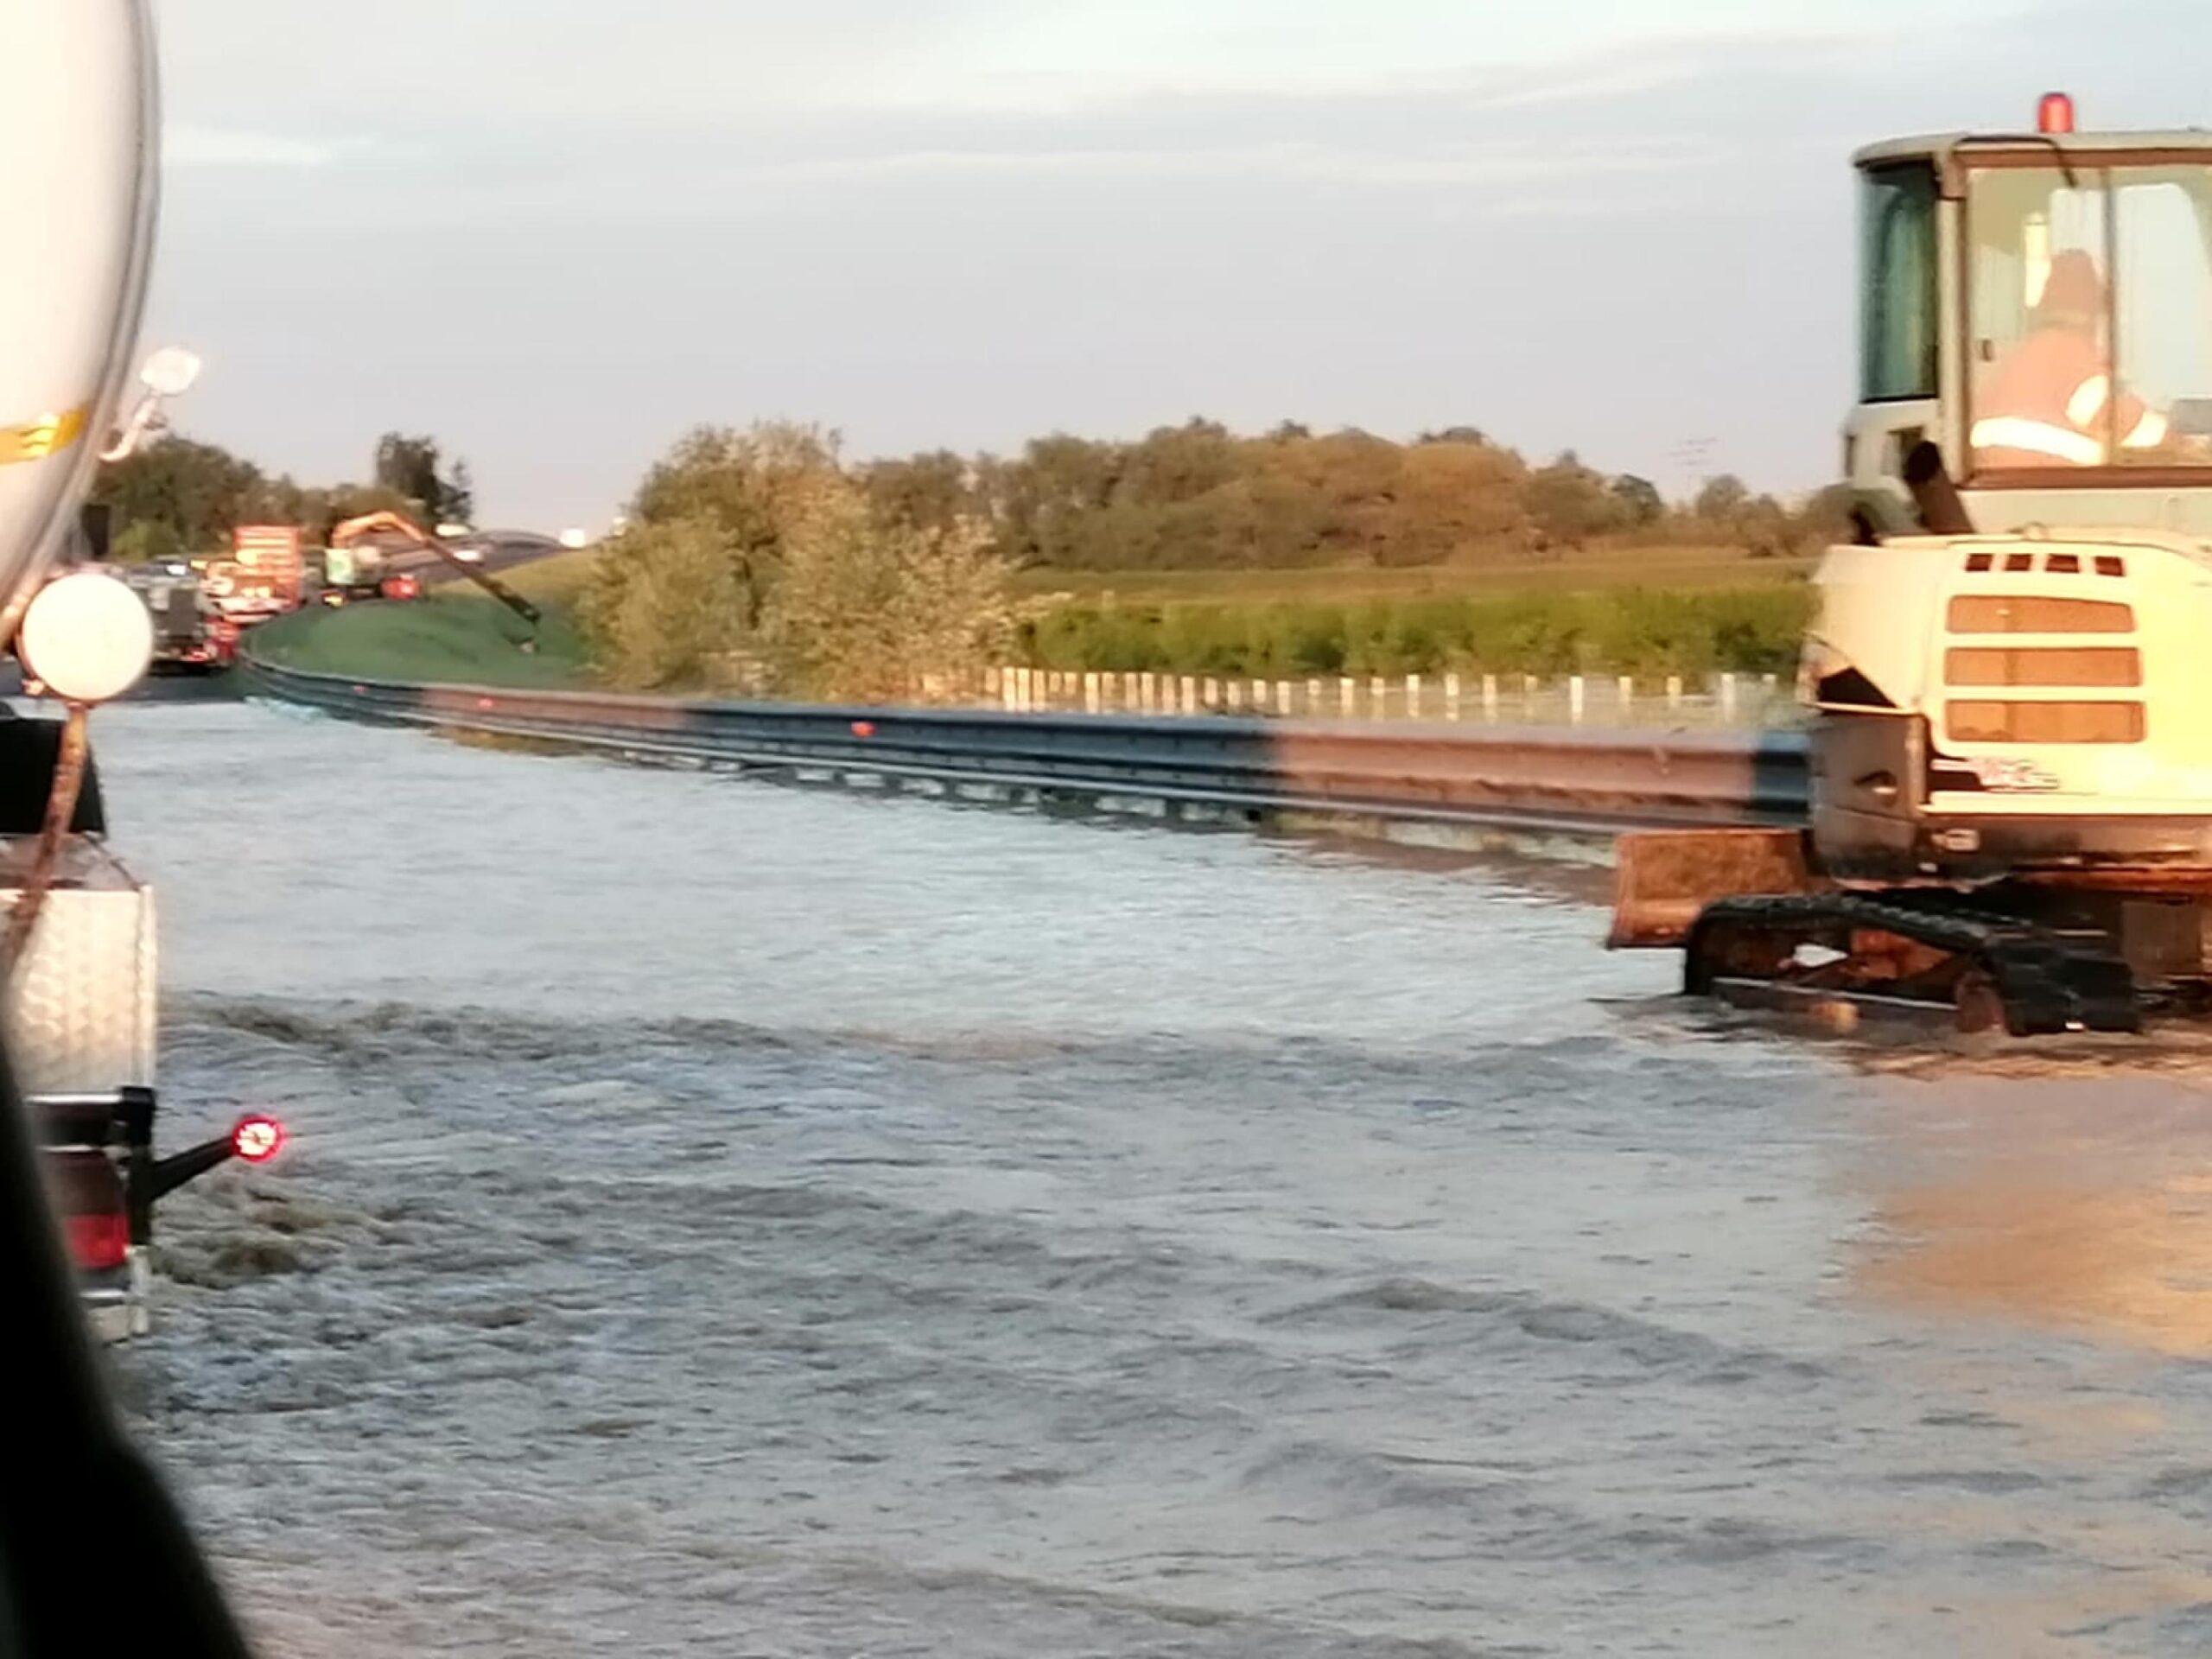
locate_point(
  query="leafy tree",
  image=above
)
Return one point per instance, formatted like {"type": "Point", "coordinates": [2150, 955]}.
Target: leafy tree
{"type": "Point", "coordinates": [1720, 498]}
{"type": "Point", "coordinates": [1570, 503]}
{"type": "Point", "coordinates": [196, 493]}
{"type": "Point", "coordinates": [1640, 503]}
{"type": "Point", "coordinates": [147, 540]}
{"type": "Point", "coordinates": [460, 495]}
{"type": "Point", "coordinates": [755, 553]}
{"type": "Point", "coordinates": [931, 490]}
{"type": "Point", "coordinates": [750, 486]}
{"type": "Point", "coordinates": [666, 608]}
{"type": "Point", "coordinates": [865, 607]}
{"type": "Point", "coordinates": [408, 468]}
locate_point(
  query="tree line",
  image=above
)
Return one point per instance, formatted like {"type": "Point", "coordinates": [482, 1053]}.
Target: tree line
{"type": "Point", "coordinates": [176, 498]}
{"type": "Point", "coordinates": [1199, 497]}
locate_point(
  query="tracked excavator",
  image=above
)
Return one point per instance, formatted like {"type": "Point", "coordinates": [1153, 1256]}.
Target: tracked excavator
{"type": "Point", "coordinates": [2009, 679]}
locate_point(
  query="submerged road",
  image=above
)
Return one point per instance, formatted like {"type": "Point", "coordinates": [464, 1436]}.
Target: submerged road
{"type": "Point", "coordinates": [735, 1219]}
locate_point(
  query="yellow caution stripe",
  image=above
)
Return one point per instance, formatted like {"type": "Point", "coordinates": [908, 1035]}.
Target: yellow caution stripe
{"type": "Point", "coordinates": [37, 440]}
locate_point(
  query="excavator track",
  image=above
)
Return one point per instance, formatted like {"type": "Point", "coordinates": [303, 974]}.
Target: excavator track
{"type": "Point", "coordinates": [1921, 953]}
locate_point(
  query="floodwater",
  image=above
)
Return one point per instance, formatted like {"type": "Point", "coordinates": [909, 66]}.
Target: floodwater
{"type": "Point", "coordinates": [731, 1220]}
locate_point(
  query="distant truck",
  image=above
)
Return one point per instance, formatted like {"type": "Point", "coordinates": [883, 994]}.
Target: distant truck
{"type": "Point", "coordinates": [274, 556]}
{"type": "Point", "coordinates": [264, 577]}
{"type": "Point", "coordinates": [183, 643]}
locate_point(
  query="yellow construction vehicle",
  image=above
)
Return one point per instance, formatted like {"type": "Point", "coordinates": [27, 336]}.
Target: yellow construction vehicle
{"type": "Point", "coordinates": [2008, 679]}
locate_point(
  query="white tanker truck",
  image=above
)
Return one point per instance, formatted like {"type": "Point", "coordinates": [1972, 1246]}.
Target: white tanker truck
{"type": "Point", "coordinates": [79, 128]}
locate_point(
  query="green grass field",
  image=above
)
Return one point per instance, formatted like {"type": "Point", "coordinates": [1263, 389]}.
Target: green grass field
{"type": "Point", "coordinates": [1599, 571]}
{"type": "Point", "coordinates": [456, 637]}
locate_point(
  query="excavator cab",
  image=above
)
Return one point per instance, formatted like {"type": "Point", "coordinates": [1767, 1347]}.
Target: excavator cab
{"type": "Point", "coordinates": [2039, 307]}
{"type": "Point", "coordinates": [2010, 698]}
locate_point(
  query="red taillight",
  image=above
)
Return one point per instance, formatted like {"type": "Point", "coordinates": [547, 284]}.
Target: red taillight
{"type": "Point", "coordinates": [257, 1139]}
{"type": "Point", "coordinates": [2055, 113]}
{"type": "Point", "coordinates": [98, 1241]}
{"type": "Point", "coordinates": [863, 728]}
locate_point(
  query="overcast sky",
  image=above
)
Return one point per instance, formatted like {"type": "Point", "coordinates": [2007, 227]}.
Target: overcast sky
{"type": "Point", "coordinates": [557, 232]}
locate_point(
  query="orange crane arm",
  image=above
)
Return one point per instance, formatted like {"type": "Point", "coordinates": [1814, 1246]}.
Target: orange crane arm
{"type": "Point", "coordinates": [352, 530]}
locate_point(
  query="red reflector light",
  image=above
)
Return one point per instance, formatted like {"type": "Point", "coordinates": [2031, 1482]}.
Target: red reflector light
{"type": "Point", "coordinates": [863, 728]}
{"type": "Point", "coordinates": [98, 1241]}
{"type": "Point", "coordinates": [257, 1139]}
{"type": "Point", "coordinates": [2055, 113]}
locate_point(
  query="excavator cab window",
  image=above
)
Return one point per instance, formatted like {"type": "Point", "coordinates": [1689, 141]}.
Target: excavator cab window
{"type": "Point", "coordinates": [2089, 300]}
{"type": "Point", "coordinates": [2162, 306]}
{"type": "Point", "coordinates": [1897, 331]}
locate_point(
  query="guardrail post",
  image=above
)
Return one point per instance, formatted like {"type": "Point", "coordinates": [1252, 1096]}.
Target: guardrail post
{"type": "Point", "coordinates": [1093, 701]}
{"type": "Point", "coordinates": [1412, 697]}
{"type": "Point", "coordinates": [1574, 696]}
{"type": "Point", "coordinates": [1768, 686]}
{"type": "Point", "coordinates": [1259, 694]}
{"type": "Point", "coordinates": [1490, 698]}
{"type": "Point", "coordinates": [1190, 695]}
{"type": "Point", "coordinates": [1674, 691]}
{"type": "Point", "coordinates": [1528, 695]}
{"type": "Point", "coordinates": [1312, 698]}
{"type": "Point", "coordinates": [1282, 696]}
{"type": "Point", "coordinates": [1628, 694]}
{"type": "Point", "coordinates": [1347, 697]}
{"type": "Point", "coordinates": [1451, 696]}
{"type": "Point", "coordinates": [1378, 697]}
{"type": "Point", "coordinates": [1233, 695]}
{"type": "Point", "coordinates": [1728, 696]}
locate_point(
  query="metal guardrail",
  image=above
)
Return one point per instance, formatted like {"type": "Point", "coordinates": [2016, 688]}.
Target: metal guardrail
{"type": "Point", "coordinates": [1581, 781]}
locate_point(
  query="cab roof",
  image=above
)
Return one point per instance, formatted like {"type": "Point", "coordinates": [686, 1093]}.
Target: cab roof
{"type": "Point", "coordinates": [1945, 148]}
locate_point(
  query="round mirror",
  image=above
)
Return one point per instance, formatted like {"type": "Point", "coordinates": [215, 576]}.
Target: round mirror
{"type": "Point", "coordinates": [87, 636]}
{"type": "Point", "coordinates": [170, 371]}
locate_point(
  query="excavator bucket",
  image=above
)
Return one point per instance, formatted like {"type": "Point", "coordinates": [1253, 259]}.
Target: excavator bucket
{"type": "Point", "coordinates": [1663, 878]}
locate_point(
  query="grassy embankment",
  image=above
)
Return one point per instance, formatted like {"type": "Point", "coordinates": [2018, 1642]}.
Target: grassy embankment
{"type": "Point", "coordinates": [456, 634]}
